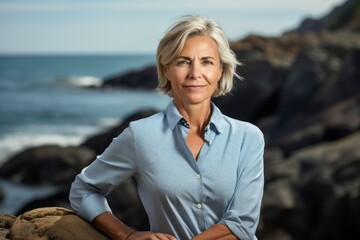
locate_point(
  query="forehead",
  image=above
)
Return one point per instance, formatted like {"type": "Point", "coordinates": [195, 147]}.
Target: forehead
{"type": "Point", "coordinates": [200, 45]}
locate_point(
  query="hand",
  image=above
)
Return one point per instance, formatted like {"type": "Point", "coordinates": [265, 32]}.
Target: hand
{"type": "Point", "coordinates": [138, 235]}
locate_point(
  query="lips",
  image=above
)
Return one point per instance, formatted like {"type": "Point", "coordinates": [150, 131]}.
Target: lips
{"type": "Point", "coordinates": [194, 86]}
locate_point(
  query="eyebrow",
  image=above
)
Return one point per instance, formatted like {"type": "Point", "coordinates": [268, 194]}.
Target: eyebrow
{"type": "Point", "coordinates": [188, 58]}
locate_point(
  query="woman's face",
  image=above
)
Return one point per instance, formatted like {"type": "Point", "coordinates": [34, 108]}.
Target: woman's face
{"type": "Point", "coordinates": [195, 72]}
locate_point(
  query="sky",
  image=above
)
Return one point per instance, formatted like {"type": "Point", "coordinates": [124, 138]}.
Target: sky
{"type": "Point", "coordinates": [136, 26]}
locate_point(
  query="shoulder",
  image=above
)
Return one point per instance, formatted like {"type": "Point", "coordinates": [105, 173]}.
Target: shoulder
{"type": "Point", "coordinates": [243, 128]}
{"type": "Point", "coordinates": [152, 122]}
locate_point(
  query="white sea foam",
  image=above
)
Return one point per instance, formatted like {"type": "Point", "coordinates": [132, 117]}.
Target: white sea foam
{"type": "Point", "coordinates": [80, 81]}
{"type": "Point", "coordinates": [34, 136]}
{"type": "Point", "coordinates": [11, 144]}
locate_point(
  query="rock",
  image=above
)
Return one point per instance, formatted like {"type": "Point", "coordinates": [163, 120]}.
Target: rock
{"type": "Point", "coordinates": [335, 122]}
{"type": "Point", "coordinates": [47, 165]}
{"type": "Point", "coordinates": [315, 191]}
{"type": "Point", "coordinates": [6, 222]}
{"type": "Point", "coordinates": [2, 194]}
{"type": "Point", "coordinates": [266, 61]}
{"type": "Point", "coordinates": [323, 73]}
{"type": "Point", "coordinates": [142, 79]}
{"type": "Point", "coordinates": [280, 52]}
{"type": "Point", "coordinates": [345, 16]}
{"type": "Point", "coordinates": [53, 223]}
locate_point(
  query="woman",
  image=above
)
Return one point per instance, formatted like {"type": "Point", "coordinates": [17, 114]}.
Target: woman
{"type": "Point", "coordinates": [199, 173]}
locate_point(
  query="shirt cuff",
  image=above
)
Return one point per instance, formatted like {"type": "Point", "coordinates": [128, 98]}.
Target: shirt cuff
{"type": "Point", "coordinates": [93, 205]}
{"type": "Point", "coordinates": [236, 230]}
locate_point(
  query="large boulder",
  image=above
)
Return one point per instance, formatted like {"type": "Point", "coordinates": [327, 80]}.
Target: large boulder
{"type": "Point", "coordinates": [345, 16]}
{"type": "Point", "coordinates": [138, 79]}
{"type": "Point", "coordinates": [324, 74]}
{"type": "Point", "coordinates": [47, 165]}
{"type": "Point", "coordinates": [315, 192]}
{"type": "Point", "coordinates": [53, 223]}
{"type": "Point", "coordinates": [265, 65]}
{"type": "Point", "coordinates": [6, 221]}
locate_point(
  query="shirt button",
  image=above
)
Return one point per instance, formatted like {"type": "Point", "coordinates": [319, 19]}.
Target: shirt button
{"type": "Point", "coordinates": [198, 176]}
{"type": "Point", "coordinates": [199, 205]}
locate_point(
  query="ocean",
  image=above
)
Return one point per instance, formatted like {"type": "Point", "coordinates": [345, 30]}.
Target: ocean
{"type": "Point", "coordinates": [44, 99]}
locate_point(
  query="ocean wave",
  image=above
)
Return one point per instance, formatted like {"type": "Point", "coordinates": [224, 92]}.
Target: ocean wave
{"type": "Point", "coordinates": [12, 144]}
{"type": "Point", "coordinates": [64, 135]}
{"type": "Point", "coordinates": [80, 81]}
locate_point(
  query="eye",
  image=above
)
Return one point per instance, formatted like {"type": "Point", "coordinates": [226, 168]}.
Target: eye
{"type": "Point", "coordinates": [182, 62]}
{"type": "Point", "coordinates": [208, 62]}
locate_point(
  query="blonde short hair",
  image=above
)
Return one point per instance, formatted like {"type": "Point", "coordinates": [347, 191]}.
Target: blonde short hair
{"type": "Point", "coordinates": [173, 42]}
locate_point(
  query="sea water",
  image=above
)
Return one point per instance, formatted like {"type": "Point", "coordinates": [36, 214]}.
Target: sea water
{"type": "Point", "coordinates": [44, 99]}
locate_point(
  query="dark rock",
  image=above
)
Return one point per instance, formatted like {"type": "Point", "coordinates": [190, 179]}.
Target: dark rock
{"type": "Point", "coordinates": [142, 79]}
{"type": "Point", "coordinates": [266, 62]}
{"type": "Point", "coordinates": [45, 165]}
{"type": "Point", "coordinates": [333, 123]}
{"type": "Point", "coordinates": [315, 193]}
{"type": "Point", "coordinates": [1, 194]}
{"type": "Point", "coordinates": [345, 16]}
{"type": "Point", "coordinates": [323, 83]}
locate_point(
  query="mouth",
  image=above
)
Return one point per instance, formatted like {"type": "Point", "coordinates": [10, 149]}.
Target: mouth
{"type": "Point", "coordinates": [194, 87]}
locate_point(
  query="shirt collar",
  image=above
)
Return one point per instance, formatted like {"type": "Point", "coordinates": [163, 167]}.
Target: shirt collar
{"type": "Point", "coordinates": [216, 120]}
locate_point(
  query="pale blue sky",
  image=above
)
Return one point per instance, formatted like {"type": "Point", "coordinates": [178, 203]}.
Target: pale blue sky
{"type": "Point", "coordinates": [135, 26]}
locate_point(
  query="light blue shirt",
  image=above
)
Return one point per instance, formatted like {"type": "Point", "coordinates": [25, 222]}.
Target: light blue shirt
{"type": "Point", "coordinates": [182, 196]}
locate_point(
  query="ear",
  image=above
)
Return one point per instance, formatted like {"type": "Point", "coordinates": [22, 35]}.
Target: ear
{"type": "Point", "coordinates": [166, 72]}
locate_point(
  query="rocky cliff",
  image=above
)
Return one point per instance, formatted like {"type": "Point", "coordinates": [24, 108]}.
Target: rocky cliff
{"type": "Point", "coordinates": [301, 88]}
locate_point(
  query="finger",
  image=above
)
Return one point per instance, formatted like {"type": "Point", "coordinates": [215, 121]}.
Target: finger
{"type": "Point", "coordinates": [164, 236]}
{"type": "Point", "coordinates": [160, 236]}
{"type": "Point", "coordinates": [169, 236]}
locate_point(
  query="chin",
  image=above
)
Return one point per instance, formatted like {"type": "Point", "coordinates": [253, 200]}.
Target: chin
{"type": "Point", "coordinates": [197, 100]}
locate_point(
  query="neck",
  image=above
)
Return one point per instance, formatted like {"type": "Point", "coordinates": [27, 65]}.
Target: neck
{"type": "Point", "coordinates": [197, 115]}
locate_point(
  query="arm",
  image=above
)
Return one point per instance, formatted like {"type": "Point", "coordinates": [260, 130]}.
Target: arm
{"type": "Point", "coordinates": [243, 212]}
{"type": "Point", "coordinates": [117, 230]}
{"type": "Point", "coordinates": [88, 191]}
{"type": "Point", "coordinates": [111, 226]}
{"type": "Point", "coordinates": [216, 232]}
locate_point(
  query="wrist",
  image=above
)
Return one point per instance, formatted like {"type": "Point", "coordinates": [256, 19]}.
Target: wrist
{"type": "Point", "coordinates": [128, 234]}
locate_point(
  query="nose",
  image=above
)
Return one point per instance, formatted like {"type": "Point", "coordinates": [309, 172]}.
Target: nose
{"type": "Point", "coordinates": [195, 71]}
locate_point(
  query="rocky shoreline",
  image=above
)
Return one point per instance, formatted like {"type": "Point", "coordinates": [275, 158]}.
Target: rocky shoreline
{"type": "Point", "coordinates": [301, 88]}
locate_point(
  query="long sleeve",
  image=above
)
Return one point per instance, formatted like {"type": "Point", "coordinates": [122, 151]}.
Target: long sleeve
{"type": "Point", "coordinates": [95, 182]}
{"type": "Point", "coordinates": [242, 215]}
